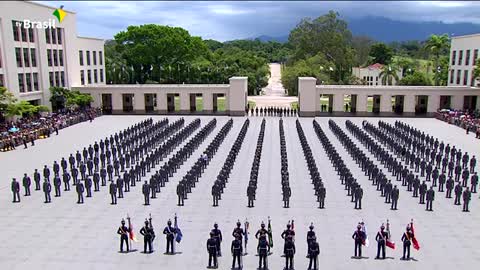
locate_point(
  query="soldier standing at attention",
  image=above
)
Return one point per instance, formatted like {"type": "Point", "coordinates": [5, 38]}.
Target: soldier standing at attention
{"type": "Point", "coordinates": [113, 192]}
{"type": "Point", "coordinates": [359, 237]}
{"type": "Point", "coordinates": [237, 252]}
{"type": "Point", "coordinates": [212, 251]}
{"type": "Point", "coordinates": [36, 178]}
{"type": "Point", "coordinates": [458, 193]}
{"type": "Point", "coordinates": [395, 195]}
{"type": "Point", "coordinates": [381, 238]}
{"type": "Point", "coordinates": [407, 242]}
{"type": "Point", "coordinates": [430, 198]}
{"type": "Point", "coordinates": [80, 189]}
{"type": "Point", "coordinates": [289, 252]}
{"type": "Point", "coordinates": [148, 234]}
{"type": "Point", "coordinates": [169, 232]}
{"type": "Point", "coordinates": [467, 196]}
{"type": "Point", "coordinates": [449, 185]}
{"type": "Point", "coordinates": [47, 188]}
{"type": "Point", "coordinates": [123, 231]}
{"type": "Point", "coordinates": [313, 252]}
{"type": "Point", "coordinates": [146, 192]}
{"type": "Point", "coordinates": [26, 184]}
{"type": "Point", "coordinates": [263, 250]}
{"type": "Point", "coordinates": [15, 190]}
{"type": "Point", "coordinates": [217, 234]}
{"type": "Point", "coordinates": [88, 187]}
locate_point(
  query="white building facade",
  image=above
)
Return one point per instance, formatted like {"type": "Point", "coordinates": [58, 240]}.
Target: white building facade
{"type": "Point", "coordinates": [371, 74]}
{"type": "Point", "coordinates": [464, 52]}
{"type": "Point", "coordinates": [34, 58]}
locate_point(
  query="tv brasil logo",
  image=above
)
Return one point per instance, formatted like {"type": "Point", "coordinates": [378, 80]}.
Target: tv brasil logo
{"type": "Point", "coordinates": [59, 13]}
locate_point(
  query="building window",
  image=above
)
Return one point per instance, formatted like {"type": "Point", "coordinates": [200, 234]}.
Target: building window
{"type": "Point", "coordinates": [47, 35]}
{"type": "Point", "coordinates": [31, 38]}
{"type": "Point", "coordinates": [459, 74]}
{"type": "Point", "coordinates": [35, 81]}
{"type": "Point", "coordinates": [472, 80]}
{"type": "Point", "coordinates": [26, 58]}
{"type": "Point", "coordinates": [49, 57]}
{"type": "Point", "coordinates": [475, 56]}
{"type": "Point", "coordinates": [452, 74]}
{"type": "Point", "coordinates": [467, 58]}
{"type": "Point", "coordinates": [88, 58]}
{"type": "Point", "coordinates": [55, 58]}
{"type": "Point", "coordinates": [80, 55]}
{"type": "Point", "coordinates": [1, 80]}
{"type": "Point", "coordinates": [21, 83]}
{"type": "Point", "coordinates": [465, 77]}
{"type": "Point", "coordinates": [24, 33]}
{"type": "Point", "coordinates": [100, 57]}
{"type": "Point", "coordinates": [94, 54]}
{"type": "Point", "coordinates": [454, 55]}
{"type": "Point", "coordinates": [95, 76]}
{"type": "Point", "coordinates": [62, 78]}
{"type": "Point", "coordinates": [16, 33]}
{"type": "Point", "coordinates": [28, 79]}
{"type": "Point", "coordinates": [82, 77]}
{"type": "Point", "coordinates": [54, 36]}
{"type": "Point", "coordinates": [51, 79]}
{"type": "Point", "coordinates": [33, 57]}
{"type": "Point", "coordinates": [89, 76]}
{"type": "Point", "coordinates": [101, 75]}
{"type": "Point", "coordinates": [60, 57]}
{"type": "Point", "coordinates": [59, 35]}
{"type": "Point", "coordinates": [460, 57]}
{"type": "Point", "coordinates": [57, 78]}
{"type": "Point", "coordinates": [18, 55]}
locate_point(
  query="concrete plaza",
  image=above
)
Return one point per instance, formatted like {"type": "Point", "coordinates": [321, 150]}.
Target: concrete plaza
{"type": "Point", "coordinates": [64, 235]}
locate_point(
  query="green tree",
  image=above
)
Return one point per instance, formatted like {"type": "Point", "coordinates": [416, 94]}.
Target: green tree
{"type": "Point", "coordinates": [415, 79]}
{"type": "Point", "coordinates": [388, 74]}
{"type": "Point", "coordinates": [6, 98]}
{"type": "Point", "coordinates": [381, 53]}
{"type": "Point", "coordinates": [24, 108]}
{"type": "Point", "coordinates": [476, 71]}
{"type": "Point", "coordinates": [151, 46]}
{"type": "Point", "coordinates": [361, 45]}
{"type": "Point", "coordinates": [437, 45]}
{"type": "Point", "coordinates": [62, 98]}
{"type": "Point", "coordinates": [327, 35]}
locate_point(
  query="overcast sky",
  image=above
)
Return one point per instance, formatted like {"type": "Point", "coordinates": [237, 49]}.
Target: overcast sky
{"type": "Point", "coordinates": [235, 20]}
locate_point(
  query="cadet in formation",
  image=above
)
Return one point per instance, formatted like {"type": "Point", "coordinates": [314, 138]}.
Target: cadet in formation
{"type": "Point", "coordinates": [123, 231]}
{"type": "Point", "coordinates": [212, 251]}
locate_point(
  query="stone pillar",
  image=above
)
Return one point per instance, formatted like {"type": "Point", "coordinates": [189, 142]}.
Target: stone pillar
{"type": "Point", "coordinates": [307, 96]}
{"type": "Point", "coordinates": [237, 96]}
{"type": "Point", "coordinates": [117, 102]}
{"type": "Point", "coordinates": [433, 103]}
{"type": "Point", "coordinates": [207, 102]}
{"type": "Point", "coordinates": [162, 102]}
{"type": "Point", "coordinates": [386, 103]}
{"type": "Point", "coordinates": [338, 100]}
{"type": "Point", "coordinates": [184, 102]}
{"type": "Point", "coordinates": [409, 103]}
{"type": "Point", "coordinates": [457, 102]}
{"type": "Point", "coordinates": [362, 103]}
{"type": "Point", "coordinates": [139, 102]}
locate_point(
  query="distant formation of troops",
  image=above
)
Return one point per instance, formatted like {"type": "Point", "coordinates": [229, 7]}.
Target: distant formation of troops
{"type": "Point", "coordinates": [252, 184]}
{"type": "Point", "coordinates": [286, 190]}
{"type": "Point", "coordinates": [272, 111]}
{"type": "Point", "coordinates": [320, 190]}
{"type": "Point", "coordinates": [222, 178]}
{"type": "Point", "coordinates": [351, 185]}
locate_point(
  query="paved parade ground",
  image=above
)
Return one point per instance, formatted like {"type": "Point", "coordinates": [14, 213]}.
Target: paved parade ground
{"type": "Point", "coordinates": [65, 235]}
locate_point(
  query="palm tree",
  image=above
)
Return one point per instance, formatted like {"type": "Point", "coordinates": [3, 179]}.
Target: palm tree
{"type": "Point", "coordinates": [389, 73]}
{"type": "Point", "coordinates": [437, 45]}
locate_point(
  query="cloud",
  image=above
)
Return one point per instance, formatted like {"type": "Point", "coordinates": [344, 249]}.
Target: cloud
{"type": "Point", "coordinates": [235, 20]}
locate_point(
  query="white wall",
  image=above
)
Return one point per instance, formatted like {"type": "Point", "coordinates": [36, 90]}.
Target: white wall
{"type": "Point", "coordinates": [463, 43]}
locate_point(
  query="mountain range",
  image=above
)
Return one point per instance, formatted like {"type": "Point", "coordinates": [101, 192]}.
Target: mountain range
{"type": "Point", "coordinates": [387, 30]}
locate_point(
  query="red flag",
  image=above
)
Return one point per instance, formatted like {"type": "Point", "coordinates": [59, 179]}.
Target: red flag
{"type": "Point", "coordinates": [415, 243]}
{"type": "Point", "coordinates": [131, 233]}
{"type": "Point", "coordinates": [390, 244]}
